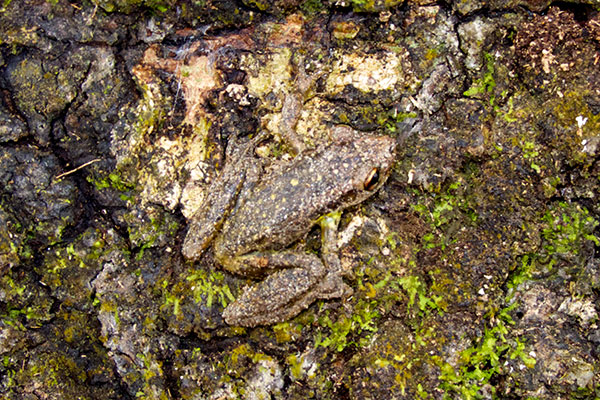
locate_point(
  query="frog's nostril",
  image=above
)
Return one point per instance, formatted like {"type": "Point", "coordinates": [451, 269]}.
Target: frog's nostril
{"type": "Point", "coordinates": [372, 179]}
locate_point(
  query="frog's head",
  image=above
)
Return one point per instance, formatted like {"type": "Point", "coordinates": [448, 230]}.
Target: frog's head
{"type": "Point", "coordinates": [372, 160]}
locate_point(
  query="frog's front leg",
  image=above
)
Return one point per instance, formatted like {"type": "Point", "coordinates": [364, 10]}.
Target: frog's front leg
{"type": "Point", "coordinates": [299, 279]}
{"type": "Point", "coordinates": [205, 223]}
{"type": "Point", "coordinates": [237, 178]}
{"type": "Point", "coordinates": [240, 174]}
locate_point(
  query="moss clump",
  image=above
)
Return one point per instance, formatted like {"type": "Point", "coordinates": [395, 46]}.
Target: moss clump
{"type": "Point", "coordinates": [11, 239]}
{"type": "Point", "coordinates": [152, 385]}
{"type": "Point", "coordinates": [59, 373]}
{"type": "Point", "coordinates": [209, 286]}
{"type": "Point", "coordinates": [575, 124]}
{"type": "Point", "coordinates": [115, 182]}
{"type": "Point", "coordinates": [24, 304]}
{"type": "Point", "coordinates": [311, 7]}
{"type": "Point", "coordinates": [417, 296]}
{"type": "Point", "coordinates": [485, 84]}
{"type": "Point", "coordinates": [68, 269]}
{"type": "Point", "coordinates": [568, 227]}
{"type": "Point", "coordinates": [248, 373]}
{"type": "Point", "coordinates": [194, 300]}
{"type": "Point", "coordinates": [443, 212]}
{"type": "Point", "coordinates": [376, 296]}
{"type": "Point", "coordinates": [478, 364]}
{"type": "Point", "coordinates": [206, 289]}
{"type": "Point", "coordinates": [373, 5]}
{"type": "Point", "coordinates": [349, 330]}
{"type": "Point", "coordinates": [127, 6]}
{"type": "Point", "coordinates": [288, 331]}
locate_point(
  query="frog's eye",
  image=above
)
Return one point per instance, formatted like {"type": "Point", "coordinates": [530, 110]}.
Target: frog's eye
{"type": "Point", "coordinates": [372, 179]}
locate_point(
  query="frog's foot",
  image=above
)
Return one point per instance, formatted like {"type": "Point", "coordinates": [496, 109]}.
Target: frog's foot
{"type": "Point", "coordinates": [286, 292]}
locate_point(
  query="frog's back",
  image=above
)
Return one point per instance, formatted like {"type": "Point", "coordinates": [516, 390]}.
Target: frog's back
{"type": "Point", "coordinates": [287, 202]}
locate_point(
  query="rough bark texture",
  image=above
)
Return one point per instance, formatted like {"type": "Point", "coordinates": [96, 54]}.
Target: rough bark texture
{"type": "Point", "coordinates": [475, 269]}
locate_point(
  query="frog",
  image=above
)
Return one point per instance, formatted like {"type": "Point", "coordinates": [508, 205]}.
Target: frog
{"type": "Point", "coordinates": [254, 220]}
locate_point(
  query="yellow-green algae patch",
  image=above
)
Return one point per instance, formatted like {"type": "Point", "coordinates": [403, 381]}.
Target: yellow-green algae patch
{"type": "Point", "coordinates": [269, 73]}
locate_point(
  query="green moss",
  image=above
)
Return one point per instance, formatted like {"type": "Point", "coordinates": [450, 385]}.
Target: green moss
{"type": "Point", "coordinates": [480, 362]}
{"type": "Point", "coordinates": [509, 115]}
{"type": "Point", "coordinates": [24, 304]}
{"type": "Point", "coordinates": [353, 330]}
{"type": "Point", "coordinates": [295, 365]}
{"type": "Point", "coordinates": [14, 288]}
{"type": "Point", "coordinates": [521, 274]}
{"type": "Point", "coordinates": [440, 212]}
{"type": "Point", "coordinates": [5, 4]}
{"type": "Point", "coordinates": [152, 378]}
{"type": "Point", "coordinates": [205, 288]}
{"type": "Point", "coordinates": [127, 6]}
{"type": "Point", "coordinates": [157, 228]}
{"type": "Point", "coordinates": [170, 300]}
{"type": "Point", "coordinates": [287, 331]}
{"type": "Point", "coordinates": [262, 6]}
{"type": "Point", "coordinates": [568, 116]}
{"type": "Point", "coordinates": [530, 154]}
{"type": "Point", "coordinates": [68, 269]}
{"type": "Point", "coordinates": [393, 118]}
{"type": "Point", "coordinates": [311, 7]}
{"type": "Point", "coordinates": [160, 6]}
{"type": "Point", "coordinates": [52, 371]}
{"type": "Point", "coordinates": [376, 295]}
{"type": "Point", "coordinates": [240, 361]}
{"type": "Point", "coordinates": [417, 290]}
{"type": "Point", "coordinates": [209, 286]}
{"type": "Point", "coordinates": [486, 84]}
{"type": "Point", "coordinates": [43, 89]}
{"type": "Point", "coordinates": [567, 227]}
{"type": "Point", "coordinates": [373, 5]}
{"type": "Point", "coordinates": [236, 355]}
{"type": "Point", "coordinates": [571, 107]}
{"type": "Point", "coordinates": [13, 316]}
{"type": "Point", "coordinates": [115, 182]}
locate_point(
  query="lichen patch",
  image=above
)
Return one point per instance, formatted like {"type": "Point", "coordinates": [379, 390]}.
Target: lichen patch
{"type": "Point", "coordinates": [366, 72]}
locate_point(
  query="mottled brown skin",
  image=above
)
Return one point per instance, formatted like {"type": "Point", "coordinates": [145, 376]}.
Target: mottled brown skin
{"type": "Point", "coordinates": [253, 218]}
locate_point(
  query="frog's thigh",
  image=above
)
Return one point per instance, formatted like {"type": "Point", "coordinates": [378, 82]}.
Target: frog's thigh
{"type": "Point", "coordinates": [260, 264]}
{"type": "Point", "coordinates": [282, 294]}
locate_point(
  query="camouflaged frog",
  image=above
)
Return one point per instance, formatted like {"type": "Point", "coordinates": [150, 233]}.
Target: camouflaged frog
{"type": "Point", "coordinates": [253, 219]}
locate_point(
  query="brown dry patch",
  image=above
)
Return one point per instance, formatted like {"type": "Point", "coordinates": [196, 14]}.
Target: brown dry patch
{"type": "Point", "coordinates": [194, 69]}
{"type": "Point", "coordinates": [553, 42]}
{"type": "Point", "coordinates": [289, 33]}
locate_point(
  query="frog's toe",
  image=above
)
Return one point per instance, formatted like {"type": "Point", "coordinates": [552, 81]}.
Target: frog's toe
{"type": "Point", "coordinates": [197, 240]}
{"type": "Point", "coordinates": [333, 286]}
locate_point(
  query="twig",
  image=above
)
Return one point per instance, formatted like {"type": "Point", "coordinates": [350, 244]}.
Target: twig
{"type": "Point", "coordinates": [76, 169]}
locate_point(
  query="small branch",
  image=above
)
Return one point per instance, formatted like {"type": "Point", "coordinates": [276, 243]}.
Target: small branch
{"type": "Point", "coordinates": [76, 169]}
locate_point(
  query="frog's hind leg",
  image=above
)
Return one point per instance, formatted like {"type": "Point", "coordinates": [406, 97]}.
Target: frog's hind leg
{"type": "Point", "coordinates": [300, 280]}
